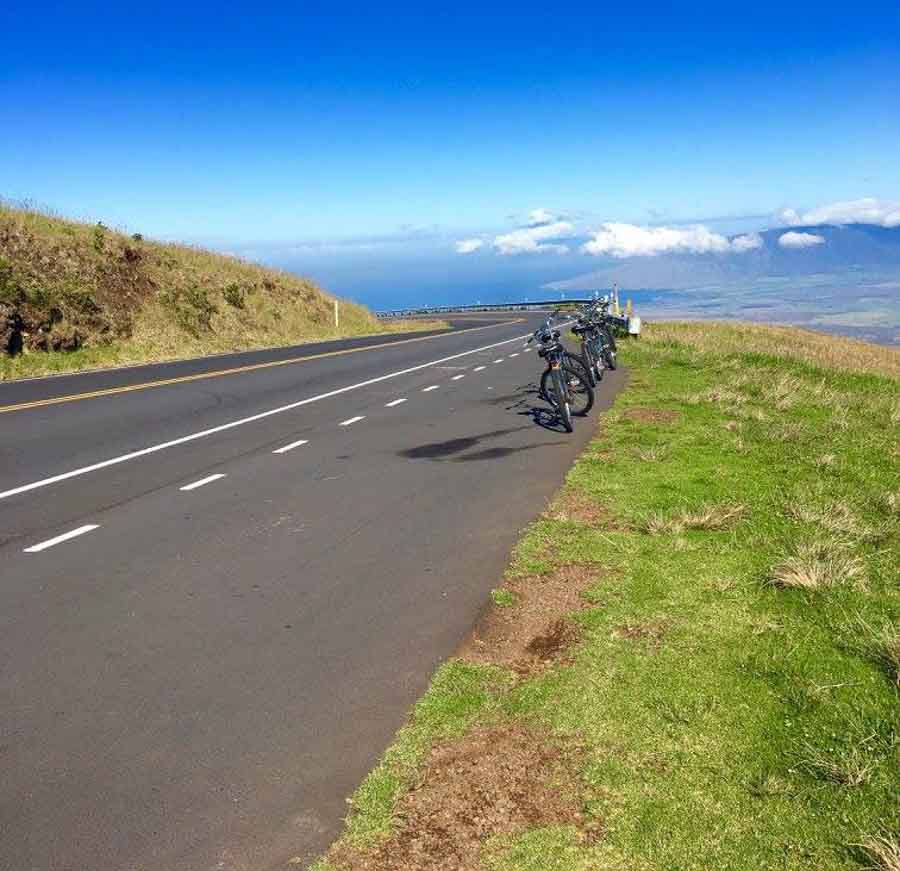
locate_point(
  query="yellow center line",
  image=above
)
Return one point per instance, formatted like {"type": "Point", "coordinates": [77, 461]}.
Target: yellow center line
{"type": "Point", "coordinates": [218, 373]}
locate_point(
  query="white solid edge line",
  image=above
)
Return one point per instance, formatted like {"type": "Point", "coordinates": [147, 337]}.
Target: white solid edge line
{"type": "Point", "coordinates": [457, 377]}
{"type": "Point", "coordinates": [291, 446]}
{"type": "Point", "coordinates": [394, 402]}
{"type": "Point", "coordinates": [37, 548]}
{"type": "Point", "coordinates": [433, 387]}
{"type": "Point", "coordinates": [162, 446]}
{"type": "Point", "coordinates": [207, 480]}
{"type": "Point", "coordinates": [352, 420]}
{"type": "Point", "coordinates": [478, 368]}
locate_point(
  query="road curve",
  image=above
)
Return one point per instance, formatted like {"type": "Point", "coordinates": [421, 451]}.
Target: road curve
{"type": "Point", "coordinates": [220, 594]}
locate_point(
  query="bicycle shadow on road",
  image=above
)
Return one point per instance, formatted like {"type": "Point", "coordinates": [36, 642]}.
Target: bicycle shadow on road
{"type": "Point", "coordinates": [530, 402]}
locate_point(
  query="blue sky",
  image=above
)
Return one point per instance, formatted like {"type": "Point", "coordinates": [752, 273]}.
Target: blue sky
{"type": "Point", "coordinates": [255, 126]}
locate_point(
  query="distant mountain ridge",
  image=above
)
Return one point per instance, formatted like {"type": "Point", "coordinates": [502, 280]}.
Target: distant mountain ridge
{"type": "Point", "coordinates": [846, 248]}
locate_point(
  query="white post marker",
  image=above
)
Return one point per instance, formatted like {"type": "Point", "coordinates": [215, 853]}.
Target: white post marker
{"type": "Point", "coordinates": [337, 317]}
{"type": "Point", "coordinates": [37, 548]}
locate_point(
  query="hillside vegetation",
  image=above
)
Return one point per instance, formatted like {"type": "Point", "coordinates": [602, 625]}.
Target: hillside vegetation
{"type": "Point", "coordinates": [694, 660]}
{"type": "Point", "coordinates": [74, 295]}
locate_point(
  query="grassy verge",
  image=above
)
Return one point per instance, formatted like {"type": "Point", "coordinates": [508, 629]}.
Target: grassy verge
{"type": "Point", "coordinates": [157, 343]}
{"type": "Point", "coordinates": [77, 296]}
{"type": "Point", "coordinates": [705, 623]}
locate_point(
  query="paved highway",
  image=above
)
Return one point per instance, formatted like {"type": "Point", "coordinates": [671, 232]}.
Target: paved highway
{"type": "Point", "coordinates": [220, 594]}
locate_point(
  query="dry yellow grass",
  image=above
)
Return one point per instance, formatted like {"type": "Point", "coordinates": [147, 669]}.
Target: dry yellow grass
{"type": "Point", "coordinates": [883, 851]}
{"type": "Point", "coordinates": [816, 566]}
{"type": "Point", "coordinates": [124, 299]}
{"type": "Point", "coordinates": [835, 517]}
{"type": "Point", "coordinates": [711, 518]}
{"type": "Point", "coordinates": [816, 348]}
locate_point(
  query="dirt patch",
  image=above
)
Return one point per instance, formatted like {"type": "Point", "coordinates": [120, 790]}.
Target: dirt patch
{"type": "Point", "coordinates": [651, 415]}
{"type": "Point", "coordinates": [571, 505]}
{"type": "Point", "coordinates": [496, 781]}
{"type": "Point", "coordinates": [535, 631]}
{"type": "Point", "coordinates": [560, 634]}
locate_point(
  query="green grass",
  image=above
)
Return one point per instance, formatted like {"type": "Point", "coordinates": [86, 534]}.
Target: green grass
{"type": "Point", "coordinates": [761, 728]}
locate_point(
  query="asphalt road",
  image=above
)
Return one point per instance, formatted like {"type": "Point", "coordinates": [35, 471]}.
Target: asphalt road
{"type": "Point", "coordinates": [220, 595]}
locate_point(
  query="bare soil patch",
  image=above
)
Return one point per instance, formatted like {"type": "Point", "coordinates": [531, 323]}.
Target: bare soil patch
{"type": "Point", "coordinates": [651, 415]}
{"type": "Point", "coordinates": [497, 780]}
{"type": "Point", "coordinates": [536, 630]}
{"type": "Point", "coordinates": [571, 505]}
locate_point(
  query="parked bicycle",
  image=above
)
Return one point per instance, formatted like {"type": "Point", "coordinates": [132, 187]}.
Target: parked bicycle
{"type": "Point", "coordinates": [598, 348]}
{"type": "Point", "coordinates": [565, 383]}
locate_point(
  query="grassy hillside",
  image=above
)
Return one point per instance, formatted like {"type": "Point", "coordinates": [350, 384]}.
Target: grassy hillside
{"type": "Point", "coordinates": [694, 660]}
{"type": "Point", "coordinates": [74, 295]}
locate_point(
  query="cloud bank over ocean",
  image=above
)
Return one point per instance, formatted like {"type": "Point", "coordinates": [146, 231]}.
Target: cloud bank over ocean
{"type": "Point", "coordinates": [548, 232]}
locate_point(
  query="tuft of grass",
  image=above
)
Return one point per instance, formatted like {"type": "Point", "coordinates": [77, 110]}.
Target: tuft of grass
{"type": "Point", "coordinates": [503, 597]}
{"type": "Point", "coordinates": [816, 566]}
{"type": "Point", "coordinates": [709, 518]}
{"type": "Point", "coordinates": [883, 851]}
{"type": "Point", "coordinates": [879, 644]}
{"type": "Point", "coordinates": [850, 767]}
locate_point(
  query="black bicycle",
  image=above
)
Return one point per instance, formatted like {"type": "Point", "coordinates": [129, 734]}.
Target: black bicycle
{"type": "Point", "coordinates": [565, 386]}
{"type": "Point", "coordinates": [597, 343]}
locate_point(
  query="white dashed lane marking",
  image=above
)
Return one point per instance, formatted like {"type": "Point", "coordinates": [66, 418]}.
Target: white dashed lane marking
{"type": "Point", "coordinates": [353, 420]}
{"type": "Point", "coordinates": [395, 402]}
{"type": "Point", "coordinates": [457, 377]}
{"type": "Point", "coordinates": [499, 360]}
{"type": "Point", "coordinates": [428, 389]}
{"type": "Point", "coordinates": [206, 433]}
{"type": "Point", "coordinates": [514, 355]}
{"type": "Point", "coordinates": [290, 447]}
{"type": "Point", "coordinates": [201, 483]}
{"type": "Point", "coordinates": [50, 542]}
{"type": "Point", "coordinates": [478, 368]}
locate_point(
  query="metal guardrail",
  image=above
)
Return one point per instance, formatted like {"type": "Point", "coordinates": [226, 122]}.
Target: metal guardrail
{"type": "Point", "coordinates": [631, 325]}
{"type": "Point", "coordinates": [480, 307]}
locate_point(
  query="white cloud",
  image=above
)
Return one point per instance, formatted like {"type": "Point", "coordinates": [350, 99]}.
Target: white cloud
{"type": "Point", "coordinates": [630, 240]}
{"type": "Point", "coordinates": [467, 246]}
{"type": "Point", "coordinates": [747, 242]}
{"type": "Point", "coordinates": [535, 239]}
{"type": "Point", "coordinates": [536, 217]}
{"type": "Point", "coordinates": [792, 239]}
{"type": "Point", "coordinates": [867, 210]}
